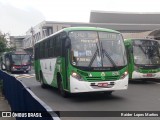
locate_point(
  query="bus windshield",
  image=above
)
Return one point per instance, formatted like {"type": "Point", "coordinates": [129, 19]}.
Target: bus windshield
{"type": "Point", "coordinates": [20, 59]}
{"type": "Point", "coordinates": [97, 49]}
{"type": "Point", "coordinates": [146, 52]}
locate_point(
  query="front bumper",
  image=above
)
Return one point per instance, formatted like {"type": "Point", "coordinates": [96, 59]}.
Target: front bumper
{"type": "Point", "coordinates": [138, 75]}
{"type": "Point", "coordinates": [26, 68]}
{"type": "Point", "coordinates": [77, 86]}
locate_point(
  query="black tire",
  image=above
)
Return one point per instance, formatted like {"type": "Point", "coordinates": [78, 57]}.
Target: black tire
{"type": "Point", "coordinates": [60, 88]}
{"type": "Point", "coordinates": [42, 81]}
{"type": "Point", "coordinates": [108, 93]}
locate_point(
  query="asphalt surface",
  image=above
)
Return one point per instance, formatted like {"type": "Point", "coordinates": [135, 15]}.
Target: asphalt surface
{"type": "Point", "coordinates": [4, 106]}
{"type": "Point", "coordinates": [140, 96]}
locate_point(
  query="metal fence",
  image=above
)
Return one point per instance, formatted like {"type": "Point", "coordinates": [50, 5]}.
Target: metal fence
{"type": "Point", "coordinates": [24, 103]}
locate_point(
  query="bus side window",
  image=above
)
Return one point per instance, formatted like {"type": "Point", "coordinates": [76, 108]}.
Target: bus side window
{"type": "Point", "coordinates": [38, 51]}
{"type": "Point", "coordinates": [45, 49]}
{"type": "Point", "coordinates": [54, 47]}
{"type": "Point", "coordinates": [42, 50]}
{"type": "Point", "coordinates": [58, 46]}
{"type": "Point", "coordinates": [49, 47]}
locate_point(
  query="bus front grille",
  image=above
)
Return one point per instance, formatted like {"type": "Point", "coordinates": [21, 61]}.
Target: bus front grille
{"type": "Point", "coordinates": [107, 78]}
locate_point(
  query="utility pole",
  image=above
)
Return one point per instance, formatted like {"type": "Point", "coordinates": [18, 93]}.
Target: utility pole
{"type": "Point", "coordinates": [32, 39]}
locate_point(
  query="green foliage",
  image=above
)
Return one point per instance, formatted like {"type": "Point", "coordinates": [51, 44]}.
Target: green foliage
{"type": "Point", "coordinates": [3, 43]}
{"type": "Point", "coordinates": [10, 49]}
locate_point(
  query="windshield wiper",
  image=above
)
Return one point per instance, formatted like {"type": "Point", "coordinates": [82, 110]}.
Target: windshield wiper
{"type": "Point", "coordinates": [94, 56]}
{"type": "Point", "coordinates": [142, 49]}
{"type": "Point", "coordinates": [108, 56]}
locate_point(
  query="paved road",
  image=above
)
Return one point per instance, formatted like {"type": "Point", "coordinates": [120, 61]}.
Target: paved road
{"type": "Point", "coordinates": [140, 96]}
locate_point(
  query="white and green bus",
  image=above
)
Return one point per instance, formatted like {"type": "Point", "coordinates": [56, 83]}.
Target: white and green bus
{"type": "Point", "coordinates": [143, 58]}
{"type": "Point", "coordinates": [82, 59]}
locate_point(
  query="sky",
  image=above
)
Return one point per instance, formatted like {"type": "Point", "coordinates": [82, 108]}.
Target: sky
{"type": "Point", "coordinates": [18, 16]}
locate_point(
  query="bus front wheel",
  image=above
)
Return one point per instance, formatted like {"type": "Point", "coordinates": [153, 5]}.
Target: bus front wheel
{"type": "Point", "coordinates": [60, 88]}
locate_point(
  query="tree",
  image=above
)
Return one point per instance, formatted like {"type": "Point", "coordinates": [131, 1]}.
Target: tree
{"type": "Point", "coordinates": [3, 43]}
{"type": "Point", "coordinates": [10, 49]}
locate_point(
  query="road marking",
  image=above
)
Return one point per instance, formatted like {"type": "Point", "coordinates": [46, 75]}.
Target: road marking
{"type": "Point", "coordinates": [23, 75]}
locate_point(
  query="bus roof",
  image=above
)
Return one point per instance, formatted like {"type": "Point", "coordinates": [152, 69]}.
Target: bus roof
{"type": "Point", "coordinates": [129, 40]}
{"type": "Point", "coordinates": [90, 28]}
{"type": "Point", "coordinates": [81, 29]}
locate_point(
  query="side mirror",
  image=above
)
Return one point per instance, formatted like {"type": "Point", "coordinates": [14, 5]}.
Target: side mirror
{"type": "Point", "coordinates": [63, 35]}
{"type": "Point", "coordinates": [3, 67]}
{"type": "Point", "coordinates": [68, 43]}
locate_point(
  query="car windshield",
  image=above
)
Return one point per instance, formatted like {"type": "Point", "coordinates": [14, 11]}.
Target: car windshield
{"type": "Point", "coordinates": [97, 49]}
{"type": "Point", "coordinates": [20, 59]}
{"type": "Point", "coordinates": [146, 52]}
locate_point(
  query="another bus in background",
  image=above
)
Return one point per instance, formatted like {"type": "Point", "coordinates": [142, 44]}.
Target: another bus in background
{"type": "Point", "coordinates": [143, 58]}
{"type": "Point", "coordinates": [82, 59]}
{"type": "Point", "coordinates": [16, 61]}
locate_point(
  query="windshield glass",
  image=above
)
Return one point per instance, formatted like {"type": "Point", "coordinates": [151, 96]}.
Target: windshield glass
{"type": "Point", "coordinates": [97, 49]}
{"type": "Point", "coordinates": [19, 59]}
{"type": "Point", "coordinates": [112, 45]}
{"type": "Point", "coordinates": [146, 52]}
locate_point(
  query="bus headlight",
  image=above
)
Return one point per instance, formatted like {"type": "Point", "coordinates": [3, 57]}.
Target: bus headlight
{"type": "Point", "coordinates": [13, 68]}
{"type": "Point", "coordinates": [124, 74]}
{"type": "Point", "coordinates": [76, 75]}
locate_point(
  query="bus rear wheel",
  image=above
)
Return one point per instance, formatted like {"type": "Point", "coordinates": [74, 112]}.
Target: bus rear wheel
{"type": "Point", "coordinates": [42, 81]}
{"type": "Point", "coordinates": [61, 89]}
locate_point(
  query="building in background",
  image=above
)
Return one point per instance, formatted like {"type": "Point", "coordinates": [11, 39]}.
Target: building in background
{"type": "Point", "coordinates": [17, 42]}
{"type": "Point", "coordinates": [131, 25]}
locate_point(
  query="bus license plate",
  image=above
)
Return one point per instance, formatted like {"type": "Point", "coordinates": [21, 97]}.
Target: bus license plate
{"type": "Point", "coordinates": [102, 84]}
{"type": "Point", "coordinates": [148, 75]}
